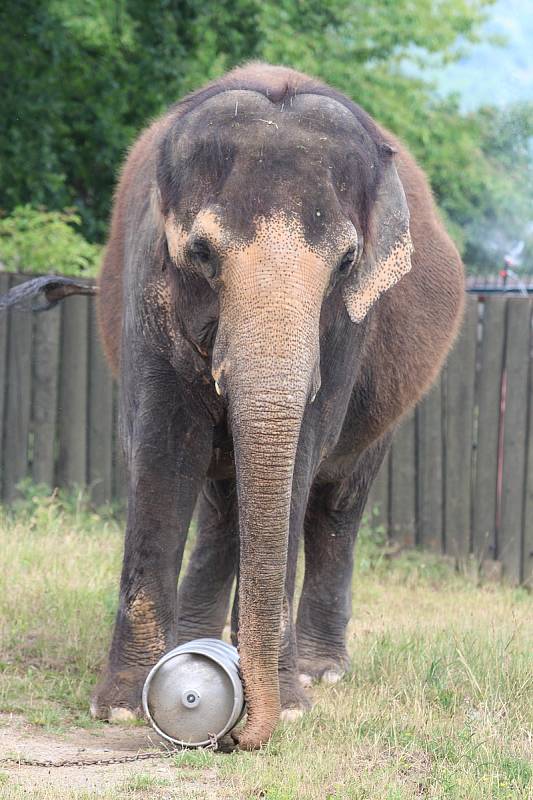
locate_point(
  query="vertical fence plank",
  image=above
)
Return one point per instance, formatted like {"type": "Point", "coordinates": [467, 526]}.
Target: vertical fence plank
{"type": "Point", "coordinates": [527, 551]}
{"type": "Point", "coordinates": [66, 409]}
{"type": "Point", "coordinates": [119, 469]}
{"type": "Point", "coordinates": [46, 343]}
{"type": "Point", "coordinates": [72, 406]}
{"type": "Point", "coordinates": [100, 418]}
{"type": "Point", "coordinates": [459, 415]}
{"type": "Point", "coordinates": [100, 442]}
{"type": "Point", "coordinates": [429, 486]}
{"type": "Point", "coordinates": [514, 445]}
{"type": "Point", "coordinates": [402, 489]}
{"type": "Point", "coordinates": [377, 505]}
{"type": "Point", "coordinates": [488, 405]}
{"type": "Point", "coordinates": [4, 287]}
{"type": "Point", "coordinates": [18, 398]}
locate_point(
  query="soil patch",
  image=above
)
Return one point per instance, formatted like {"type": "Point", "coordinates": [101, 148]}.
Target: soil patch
{"type": "Point", "coordinates": [20, 739]}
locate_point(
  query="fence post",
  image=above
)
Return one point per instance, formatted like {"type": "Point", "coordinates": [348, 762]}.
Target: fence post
{"type": "Point", "coordinates": [527, 550]}
{"type": "Point", "coordinates": [100, 418]}
{"type": "Point", "coordinates": [459, 414]}
{"type": "Point", "coordinates": [120, 489]}
{"type": "Point", "coordinates": [429, 469]}
{"type": "Point", "coordinates": [4, 286]}
{"type": "Point", "coordinates": [517, 354]}
{"type": "Point", "coordinates": [488, 402]}
{"type": "Point", "coordinates": [18, 398]}
{"type": "Point", "coordinates": [46, 338]}
{"type": "Point", "coordinates": [72, 408]}
{"type": "Point", "coordinates": [378, 498]}
{"type": "Point", "coordinates": [402, 478]}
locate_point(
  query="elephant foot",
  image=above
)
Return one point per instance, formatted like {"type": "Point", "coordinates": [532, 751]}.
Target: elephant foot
{"type": "Point", "coordinates": [294, 700]}
{"type": "Point", "coordinates": [322, 670]}
{"type": "Point", "coordinates": [117, 697]}
{"type": "Point", "coordinates": [253, 737]}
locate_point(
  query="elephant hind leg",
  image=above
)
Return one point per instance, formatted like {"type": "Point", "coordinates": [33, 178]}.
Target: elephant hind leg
{"type": "Point", "coordinates": [330, 529]}
{"type": "Point", "coordinates": [205, 590]}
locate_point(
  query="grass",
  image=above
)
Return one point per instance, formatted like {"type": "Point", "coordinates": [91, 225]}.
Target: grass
{"type": "Point", "coordinates": [60, 566]}
{"type": "Point", "coordinates": [141, 783]}
{"type": "Point", "coordinates": [438, 703]}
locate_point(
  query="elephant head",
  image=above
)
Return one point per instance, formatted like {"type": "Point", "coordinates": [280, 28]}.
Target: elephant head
{"type": "Point", "coordinates": [270, 206]}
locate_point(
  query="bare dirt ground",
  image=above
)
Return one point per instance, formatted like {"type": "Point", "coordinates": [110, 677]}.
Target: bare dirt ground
{"type": "Point", "coordinates": [20, 739]}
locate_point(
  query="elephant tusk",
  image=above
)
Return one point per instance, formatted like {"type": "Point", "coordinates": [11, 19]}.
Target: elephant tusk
{"type": "Point", "coordinates": [217, 388]}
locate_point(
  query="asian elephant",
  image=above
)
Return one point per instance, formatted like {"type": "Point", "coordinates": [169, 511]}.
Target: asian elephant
{"type": "Point", "coordinates": [277, 291]}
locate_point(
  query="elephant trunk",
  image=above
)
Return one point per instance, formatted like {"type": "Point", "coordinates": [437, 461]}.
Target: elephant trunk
{"type": "Point", "coordinates": [265, 436]}
{"type": "Point", "coordinates": [267, 395]}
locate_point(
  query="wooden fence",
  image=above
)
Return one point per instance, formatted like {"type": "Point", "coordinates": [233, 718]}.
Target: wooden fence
{"type": "Point", "coordinates": [458, 479]}
{"type": "Point", "coordinates": [58, 404]}
{"type": "Point", "coordinates": [459, 476]}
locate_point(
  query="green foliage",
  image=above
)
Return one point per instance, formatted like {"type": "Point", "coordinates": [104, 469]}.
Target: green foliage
{"type": "Point", "coordinates": [38, 241]}
{"type": "Point", "coordinates": [79, 79]}
{"type": "Point", "coordinates": [504, 212]}
{"type": "Point", "coordinates": [479, 164]}
{"type": "Point", "coordinates": [82, 78]}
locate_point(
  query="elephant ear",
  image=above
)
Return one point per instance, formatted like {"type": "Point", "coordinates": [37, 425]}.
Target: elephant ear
{"type": "Point", "coordinates": [387, 256]}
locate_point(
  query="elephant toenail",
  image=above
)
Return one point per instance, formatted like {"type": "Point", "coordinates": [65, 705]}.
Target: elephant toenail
{"type": "Point", "coordinates": [291, 714]}
{"type": "Point", "coordinates": [331, 676]}
{"type": "Point", "coordinates": [119, 715]}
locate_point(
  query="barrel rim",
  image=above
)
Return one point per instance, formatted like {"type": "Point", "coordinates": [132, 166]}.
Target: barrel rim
{"type": "Point", "coordinates": [205, 648]}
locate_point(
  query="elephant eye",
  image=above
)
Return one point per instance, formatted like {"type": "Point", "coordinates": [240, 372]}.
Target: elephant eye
{"type": "Point", "coordinates": [201, 253]}
{"type": "Point", "coordinates": [347, 261]}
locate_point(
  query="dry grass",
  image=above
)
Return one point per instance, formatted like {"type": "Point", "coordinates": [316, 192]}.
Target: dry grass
{"type": "Point", "coordinates": [439, 702]}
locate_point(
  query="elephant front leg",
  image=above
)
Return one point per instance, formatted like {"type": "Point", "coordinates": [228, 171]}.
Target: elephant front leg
{"type": "Point", "coordinates": [330, 530]}
{"type": "Point", "coordinates": [167, 457]}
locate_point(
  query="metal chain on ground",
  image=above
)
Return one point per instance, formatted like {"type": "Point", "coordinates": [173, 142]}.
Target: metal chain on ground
{"type": "Point", "coordinates": [15, 761]}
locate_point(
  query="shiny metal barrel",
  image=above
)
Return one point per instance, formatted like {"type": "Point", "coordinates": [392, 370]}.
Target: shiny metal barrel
{"type": "Point", "coordinates": [194, 694]}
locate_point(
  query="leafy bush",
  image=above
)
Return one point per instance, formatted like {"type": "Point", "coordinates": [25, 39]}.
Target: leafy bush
{"type": "Point", "coordinates": [33, 240]}
{"type": "Point", "coordinates": [40, 507]}
{"type": "Point", "coordinates": [81, 80]}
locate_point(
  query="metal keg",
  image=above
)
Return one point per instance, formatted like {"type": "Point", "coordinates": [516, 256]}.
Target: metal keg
{"type": "Point", "coordinates": [194, 693]}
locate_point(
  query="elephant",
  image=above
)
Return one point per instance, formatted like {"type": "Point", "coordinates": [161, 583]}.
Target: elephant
{"type": "Point", "coordinates": [277, 292]}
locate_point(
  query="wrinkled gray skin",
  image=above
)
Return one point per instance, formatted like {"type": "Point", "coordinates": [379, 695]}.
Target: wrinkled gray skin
{"type": "Point", "coordinates": [274, 328]}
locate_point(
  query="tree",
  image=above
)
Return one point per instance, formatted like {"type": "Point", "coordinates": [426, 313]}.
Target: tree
{"type": "Point", "coordinates": [81, 78]}
{"type": "Point", "coordinates": [504, 215]}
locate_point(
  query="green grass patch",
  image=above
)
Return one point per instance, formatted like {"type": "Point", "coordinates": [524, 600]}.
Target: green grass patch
{"type": "Point", "coordinates": [438, 702]}
{"type": "Point", "coordinates": [143, 782]}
